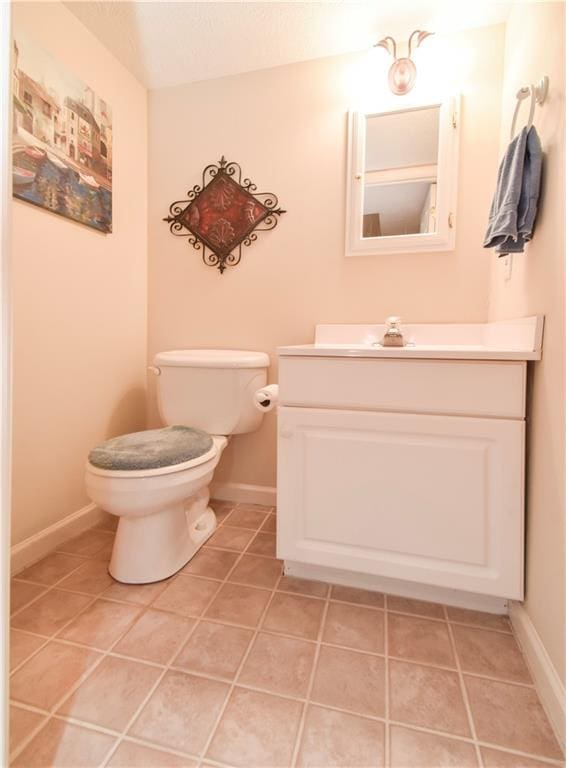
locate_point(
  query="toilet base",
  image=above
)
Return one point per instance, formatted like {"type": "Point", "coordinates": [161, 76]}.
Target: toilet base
{"type": "Point", "coordinates": [153, 547]}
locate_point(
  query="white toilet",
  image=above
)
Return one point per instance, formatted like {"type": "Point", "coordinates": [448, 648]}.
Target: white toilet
{"type": "Point", "coordinates": [163, 506]}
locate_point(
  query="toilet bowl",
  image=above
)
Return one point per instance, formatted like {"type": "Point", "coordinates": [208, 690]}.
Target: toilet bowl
{"type": "Point", "coordinates": [164, 514]}
{"type": "Point", "coordinates": [164, 510]}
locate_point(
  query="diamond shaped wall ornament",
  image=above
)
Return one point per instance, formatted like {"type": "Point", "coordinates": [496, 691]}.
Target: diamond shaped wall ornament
{"type": "Point", "coordinates": [222, 214]}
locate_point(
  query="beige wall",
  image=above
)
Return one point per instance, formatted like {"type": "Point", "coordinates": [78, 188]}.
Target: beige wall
{"type": "Point", "coordinates": [79, 300]}
{"type": "Point", "coordinates": [534, 46]}
{"type": "Point", "coordinates": [287, 128]}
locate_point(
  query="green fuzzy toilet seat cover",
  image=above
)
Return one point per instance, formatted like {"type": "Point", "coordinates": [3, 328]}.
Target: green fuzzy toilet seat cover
{"type": "Point", "coordinates": [151, 449]}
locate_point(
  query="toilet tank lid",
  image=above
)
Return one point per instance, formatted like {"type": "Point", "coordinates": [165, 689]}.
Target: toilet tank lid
{"type": "Point", "coordinates": [212, 358]}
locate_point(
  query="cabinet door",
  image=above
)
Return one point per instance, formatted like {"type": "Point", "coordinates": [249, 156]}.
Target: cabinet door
{"type": "Point", "coordinates": [431, 499]}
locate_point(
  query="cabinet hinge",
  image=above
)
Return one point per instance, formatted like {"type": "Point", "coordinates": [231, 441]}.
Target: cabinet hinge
{"type": "Point", "coordinates": [451, 220]}
{"type": "Point", "coordinates": [454, 120]}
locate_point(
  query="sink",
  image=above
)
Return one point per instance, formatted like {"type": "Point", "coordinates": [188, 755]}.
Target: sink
{"type": "Point", "coordinates": [519, 339]}
{"type": "Point", "coordinates": [401, 469]}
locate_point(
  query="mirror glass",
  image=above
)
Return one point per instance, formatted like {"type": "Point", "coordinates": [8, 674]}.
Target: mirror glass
{"type": "Point", "coordinates": [400, 173]}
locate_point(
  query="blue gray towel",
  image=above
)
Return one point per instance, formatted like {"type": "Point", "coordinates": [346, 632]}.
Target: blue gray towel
{"type": "Point", "coordinates": [151, 449]}
{"type": "Point", "coordinates": [515, 203]}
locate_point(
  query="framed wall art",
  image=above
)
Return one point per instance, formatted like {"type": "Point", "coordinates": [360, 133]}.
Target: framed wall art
{"type": "Point", "coordinates": [62, 139]}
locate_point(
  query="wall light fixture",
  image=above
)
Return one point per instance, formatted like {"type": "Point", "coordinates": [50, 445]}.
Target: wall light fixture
{"type": "Point", "coordinates": [403, 72]}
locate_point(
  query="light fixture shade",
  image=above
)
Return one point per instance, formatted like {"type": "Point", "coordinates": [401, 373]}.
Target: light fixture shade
{"type": "Point", "coordinates": [402, 76]}
{"type": "Point", "coordinates": [403, 73]}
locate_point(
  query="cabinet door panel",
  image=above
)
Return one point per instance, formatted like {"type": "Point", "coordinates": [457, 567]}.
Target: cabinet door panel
{"type": "Point", "coordinates": [427, 498]}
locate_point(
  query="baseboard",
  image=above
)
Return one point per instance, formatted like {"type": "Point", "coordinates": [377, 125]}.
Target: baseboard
{"type": "Point", "coordinates": [550, 688]}
{"type": "Point", "coordinates": [40, 544]}
{"type": "Point", "coordinates": [244, 494]}
{"type": "Point", "coordinates": [454, 597]}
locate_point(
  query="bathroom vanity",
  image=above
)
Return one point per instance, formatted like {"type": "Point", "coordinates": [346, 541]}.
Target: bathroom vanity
{"type": "Point", "coordinates": [406, 465]}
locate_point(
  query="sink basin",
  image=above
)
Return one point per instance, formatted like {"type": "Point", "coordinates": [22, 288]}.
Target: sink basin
{"type": "Point", "coordinates": [519, 339]}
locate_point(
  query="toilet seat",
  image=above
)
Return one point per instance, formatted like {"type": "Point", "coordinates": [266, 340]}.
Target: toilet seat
{"type": "Point", "coordinates": [218, 443]}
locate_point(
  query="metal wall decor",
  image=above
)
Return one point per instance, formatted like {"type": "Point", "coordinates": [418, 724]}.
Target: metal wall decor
{"type": "Point", "coordinates": [222, 214]}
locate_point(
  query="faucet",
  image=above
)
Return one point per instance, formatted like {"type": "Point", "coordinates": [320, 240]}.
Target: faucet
{"type": "Point", "coordinates": [393, 336]}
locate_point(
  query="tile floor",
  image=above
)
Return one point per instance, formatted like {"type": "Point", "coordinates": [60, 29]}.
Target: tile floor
{"type": "Point", "coordinates": [230, 663]}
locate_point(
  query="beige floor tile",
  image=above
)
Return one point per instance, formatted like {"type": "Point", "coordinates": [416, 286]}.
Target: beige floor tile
{"type": "Point", "coordinates": [155, 636]}
{"type": "Point", "coordinates": [411, 637]}
{"type": "Point", "coordinates": [236, 539]}
{"type": "Point", "coordinates": [270, 525]}
{"type": "Point", "coordinates": [279, 665]}
{"type": "Point", "coordinates": [50, 612]}
{"type": "Point", "coordinates": [211, 563]}
{"type": "Point", "coordinates": [493, 758]}
{"type": "Point", "coordinates": [64, 745]}
{"type": "Point", "coordinates": [358, 596]}
{"type": "Point", "coordinates": [257, 571]}
{"type": "Point", "coordinates": [214, 649]}
{"type": "Point", "coordinates": [132, 755]}
{"type": "Point", "coordinates": [105, 553]}
{"type": "Point", "coordinates": [22, 593]}
{"type": "Point", "coordinates": [427, 697]}
{"type": "Point", "coordinates": [493, 654]}
{"type": "Point", "coordinates": [87, 544]}
{"type": "Point", "coordinates": [101, 624]}
{"type": "Point", "coordinates": [350, 680]}
{"type": "Point", "coordinates": [108, 523]}
{"type": "Point", "coordinates": [479, 619]}
{"type": "Point", "coordinates": [246, 518]}
{"type": "Point", "coordinates": [263, 544]}
{"type": "Point", "coordinates": [221, 509]}
{"type": "Point", "coordinates": [416, 607]}
{"type": "Point", "coordinates": [51, 569]}
{"type": "Point", "coordinates": [181, 713]}
{"type": "Point", "coordinates": [510, 716]}
{"type": "Point", "coordinates": [427, 750]}
{"type": "Point", "coordinates": [187, 595]}
{"type": "Point", "coordinates": [112, 693]}
{"type": "Point", "coordinates": [303, 587]}
{"type": "Point", "coordinates": [237, 604]}
{"type": "Point", "coordinates": [22, 723]}
{"type": "Point", "coordinates": [256, 730]}
{"type": "Point", "coordinates": [336, 739]}
{"type": "Point", "coordinates": [294, 615]}
{"type": "Point", "coordinates": [92, 577]}
{"type": "Point", "coordinates": [139, 594]}
{"type": "Point", "coordinates": [354, 626]}
{"type": "Point", "coordinates": [22, 646]}
{"type": "Point", "coordinates": [47, 677]}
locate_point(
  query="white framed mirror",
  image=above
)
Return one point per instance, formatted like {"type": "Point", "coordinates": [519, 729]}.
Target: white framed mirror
{"type": "Point", "coordinates": [402, 179]}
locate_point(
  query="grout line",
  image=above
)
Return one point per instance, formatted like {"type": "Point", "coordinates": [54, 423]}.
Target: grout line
{"type": "Point", "coordinates": [387, 735]}
{"type": "Point", "coordinates": [178, 650]}
{"type": "Point", "coordinates": [169, 664]}
{"type": "Point", "coordinates": [143, 608]}
{"type": "Point", "coordinates": [225, 622]}
{"type": "Point", "coordinates": [240, 666]}
{"type": "Point", "coordinates": [301, 727]}
{"type": "Point", "coordinates": [464, 692]}
{"type": "Point", "coordinates": [80, 680]}
{"type": "Point", "coordinates": [409, 726]}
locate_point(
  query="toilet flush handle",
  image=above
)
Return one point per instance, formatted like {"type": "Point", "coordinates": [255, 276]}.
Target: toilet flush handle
{"type": "Point", "coordinates": [154, 369]}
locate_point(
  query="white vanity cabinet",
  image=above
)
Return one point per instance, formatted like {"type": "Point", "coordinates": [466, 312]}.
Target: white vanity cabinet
{"type": "Point", "coordinates": [404, 467]}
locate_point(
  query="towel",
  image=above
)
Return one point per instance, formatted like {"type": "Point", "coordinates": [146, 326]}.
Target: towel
{"type": "Point", "coordinates": [515, 203]}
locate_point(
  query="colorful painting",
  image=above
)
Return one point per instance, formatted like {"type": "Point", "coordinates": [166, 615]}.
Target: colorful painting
{"type": "Point", "coordinates": [62, 139]}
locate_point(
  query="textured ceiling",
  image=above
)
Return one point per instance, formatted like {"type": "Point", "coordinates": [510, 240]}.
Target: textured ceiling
{"type": "Point", "coordinates": [166, 43]}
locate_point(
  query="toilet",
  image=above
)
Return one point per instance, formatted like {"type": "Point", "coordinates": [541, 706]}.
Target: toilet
{"type": "Point", "coordinates": [157, 481]}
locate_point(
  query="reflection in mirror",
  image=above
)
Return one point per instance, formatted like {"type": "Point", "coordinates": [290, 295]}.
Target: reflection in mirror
{"type": "Point", "coordinates": [400, 173]}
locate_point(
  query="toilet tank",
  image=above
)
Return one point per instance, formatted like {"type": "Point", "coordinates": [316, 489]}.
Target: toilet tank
{"type": "Point", "coordinates": [211, 389]}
